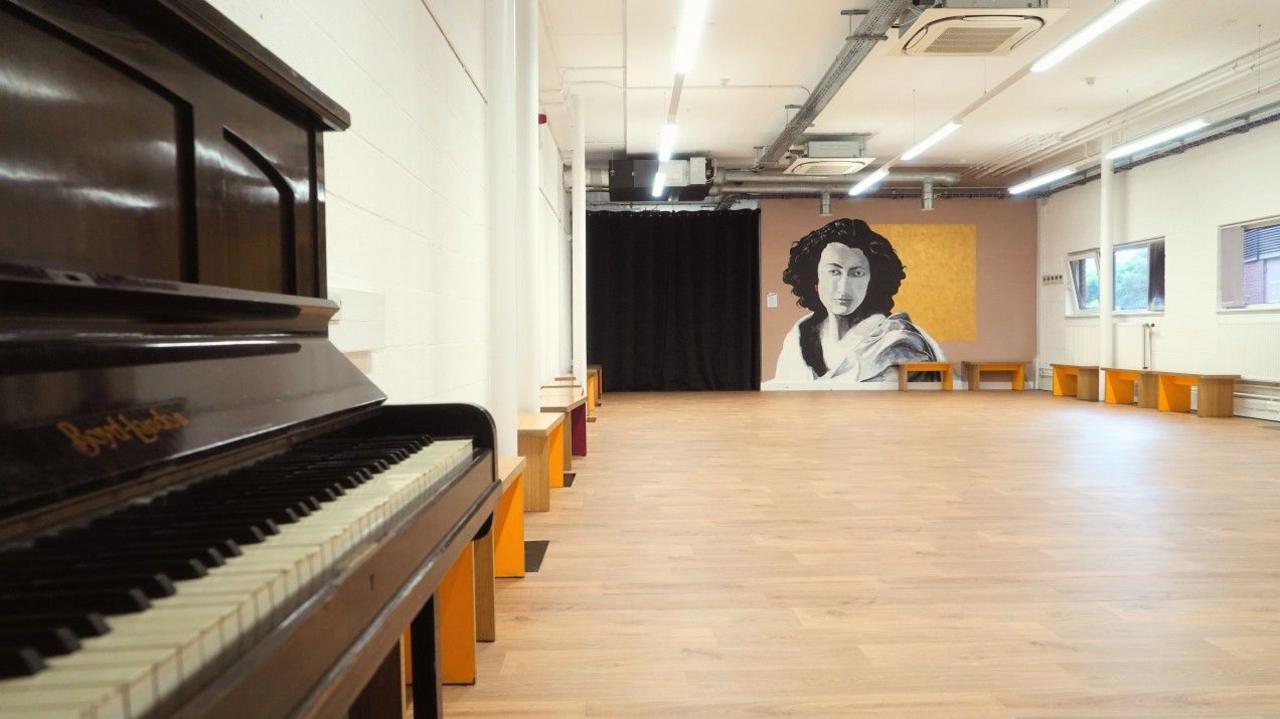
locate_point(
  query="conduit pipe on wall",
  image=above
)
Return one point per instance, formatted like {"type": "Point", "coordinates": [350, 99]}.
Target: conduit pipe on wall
{"type": "Point", "coordinates": [1242, 67]}
{"type": "Point", "coordinates": [873, 29]}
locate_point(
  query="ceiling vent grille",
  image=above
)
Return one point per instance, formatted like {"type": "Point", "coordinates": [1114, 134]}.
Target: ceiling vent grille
{"type": "Point", "coordinates": [974, 29]}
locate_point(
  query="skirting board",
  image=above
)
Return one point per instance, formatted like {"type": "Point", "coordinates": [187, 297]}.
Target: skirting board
{"type": "Point", "coordinates": [772, 386]}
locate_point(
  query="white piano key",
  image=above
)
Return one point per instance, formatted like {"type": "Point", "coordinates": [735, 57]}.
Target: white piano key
{"type": "Point", "coordinates": [151, 659]}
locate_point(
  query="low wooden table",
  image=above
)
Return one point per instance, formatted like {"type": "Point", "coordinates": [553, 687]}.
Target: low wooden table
{"type": "Point", "coordinates": [906, 368]}
{"type": "Point", "coordinates": [973, 373]}
{"type": "Point", "coordinates": [540, 439]}
{"type": "Point", "coordinates": [1073, 380]}
{"type": "Point", "coordinates": [572, 403]}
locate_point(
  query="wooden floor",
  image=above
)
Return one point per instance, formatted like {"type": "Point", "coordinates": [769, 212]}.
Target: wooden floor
{"type": "Point", "coordinates": [898, 555]}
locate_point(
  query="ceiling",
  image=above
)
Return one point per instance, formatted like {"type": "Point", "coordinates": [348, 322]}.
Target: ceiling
{"type": "Point", "coordinates": [757, 56]}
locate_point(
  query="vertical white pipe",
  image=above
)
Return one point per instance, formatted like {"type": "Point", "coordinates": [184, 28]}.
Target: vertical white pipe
{"type": "Point", "coordinates": [500, 90]}
{"type": "Point", "coordinates": [1106, 259]}
{"type": "Point", "coordinates": [579, 246]}
{"type": "Point", "coordinates": [527, 269]}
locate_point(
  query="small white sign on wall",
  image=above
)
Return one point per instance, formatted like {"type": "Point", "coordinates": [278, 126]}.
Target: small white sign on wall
{"type": "Point", "coordinates": [771, 300]}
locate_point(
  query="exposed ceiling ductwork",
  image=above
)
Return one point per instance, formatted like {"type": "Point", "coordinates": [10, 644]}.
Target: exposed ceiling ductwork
{"type": "Point", "coordinates": [873, 29]}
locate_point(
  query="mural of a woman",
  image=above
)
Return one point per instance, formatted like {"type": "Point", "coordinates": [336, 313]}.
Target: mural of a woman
{"type": "Point", "coordinates": [846, 276]}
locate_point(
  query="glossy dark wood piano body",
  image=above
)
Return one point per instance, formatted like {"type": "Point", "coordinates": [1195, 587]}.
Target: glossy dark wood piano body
{"type": "Point", "coordinates": [161, 281]}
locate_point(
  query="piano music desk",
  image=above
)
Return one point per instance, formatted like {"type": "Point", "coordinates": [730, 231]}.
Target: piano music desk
{"type": "Point", "coordinates": [541, 442]}
{"type": "Point", "coordinates": [572, 402]}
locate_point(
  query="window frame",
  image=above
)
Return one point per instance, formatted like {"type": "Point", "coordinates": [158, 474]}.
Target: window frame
{"type": "Point", "coordinates": [1163, 280]}
{"type": "Point", "coordinates": [1244, 307]}
{"type": "Point", "coordinates": [1073, 308]}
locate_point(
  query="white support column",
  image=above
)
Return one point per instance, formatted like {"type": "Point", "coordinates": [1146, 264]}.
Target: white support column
{"type": "Point", "coordinates": [500, 90]}
{"type": "Point", "coordinates": [527, 268]}
{"type": "Point", "coordinates": [579, 246]}
{"type": "Point", "coordinates": [1106, 259]}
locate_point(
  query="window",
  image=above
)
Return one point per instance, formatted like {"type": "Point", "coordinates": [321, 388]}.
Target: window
{"type": "Point", "coordinates": [1139, 276]}
{"type": "Point", "coordinates": [1249, 265]}
{"type": "Point", "coordinates": [1083, 268]}
{"type": "Point", "coordinates": [1262, 265]}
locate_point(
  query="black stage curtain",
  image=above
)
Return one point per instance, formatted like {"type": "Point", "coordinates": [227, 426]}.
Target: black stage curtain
{"type": "Point", "coordinates": [673, 299]}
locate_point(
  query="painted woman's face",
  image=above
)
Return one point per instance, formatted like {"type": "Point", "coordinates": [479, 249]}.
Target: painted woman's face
{"type": "Point", "coordinates": [843, 275]}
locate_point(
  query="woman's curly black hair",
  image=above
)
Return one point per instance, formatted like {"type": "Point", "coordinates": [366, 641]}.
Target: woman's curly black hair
{"type": "Point", "coordinates": [887, 272]}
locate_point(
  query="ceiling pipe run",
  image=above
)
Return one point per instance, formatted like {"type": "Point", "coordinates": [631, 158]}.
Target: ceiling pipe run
{"type": "Point", "coordinates": [873, 29]}
{"type": "Point", "coordinates": [745, 177]}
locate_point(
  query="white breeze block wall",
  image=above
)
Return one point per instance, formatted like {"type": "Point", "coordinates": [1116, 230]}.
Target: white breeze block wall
{"type": "Point", "coordinates": [406, 183]}
{"type": "Point", "coordinates": [1184, 199]}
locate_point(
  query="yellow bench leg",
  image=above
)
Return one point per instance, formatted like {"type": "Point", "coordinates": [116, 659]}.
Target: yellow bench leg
{"type": "Point", "coordinates": [1064, 383]}
{"type": "Point", "coordinates": [1119, 389]}
{"type": "Point", "coordinates": [508, 532]}
{"type": "Point", "coordinates": [456, 607]}
{"type": "Point", "coordinates": [1173, 396]}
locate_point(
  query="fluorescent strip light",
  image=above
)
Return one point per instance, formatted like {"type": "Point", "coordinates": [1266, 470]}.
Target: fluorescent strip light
{"type": "Point", "coordinates": [667, 142]}
{"type": "Point", "coordinates": [659, 184]}
{"type": "Point", "coordinates": [938, 135]}
{"type": "Point", "coordinates": [868, 182]}
{"type": "Point", "coordinates": [692, 18]}
{"type": "Point", "coordinates": [1158, 138]}
{"type": "Point", "coordinates": [1042, 180]}
{"type": "Point", "coordinates": [1101, 24]}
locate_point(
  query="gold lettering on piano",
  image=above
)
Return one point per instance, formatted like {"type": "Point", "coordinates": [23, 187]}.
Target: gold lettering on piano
{"type": "Point", "coordinates": [120, 429]}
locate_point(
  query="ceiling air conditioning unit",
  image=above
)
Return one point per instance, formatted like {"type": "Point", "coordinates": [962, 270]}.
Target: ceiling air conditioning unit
{"type": "Point", "coordinates": [973, 27]}
{"type": "Point", "coordinates": [831, 157]}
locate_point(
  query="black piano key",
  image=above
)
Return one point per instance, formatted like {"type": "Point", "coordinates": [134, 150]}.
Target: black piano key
{"type": "Point", "coordinates": [159, 533]}
{"type": "Point", "coordinates": [103, 601]}
{"type": "Point", "coordinates": [54, 642]}
{"type": "Point", "coordinates": [205, 555]}
{"type": "Point", "coordinates": [110, 566]}
{"type": "Point", "coordinates": [86, 624]}
{"type": "Point", "coordinates": [19, 662]}
{"type": "Point", "coordinates": [154, 586]}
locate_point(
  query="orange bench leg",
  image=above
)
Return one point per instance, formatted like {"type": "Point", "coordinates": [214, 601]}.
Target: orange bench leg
{"type": "Point", "coordinates": [508, 532]}
{"type": "Point", "coordinates": [457, 621]}
{"type": "Point", "coordinates": [1119, 389]}
{"type": "Point", "coordinates": [1064, 383]}
{"type": "Point", "coordinates": [1173, 396]}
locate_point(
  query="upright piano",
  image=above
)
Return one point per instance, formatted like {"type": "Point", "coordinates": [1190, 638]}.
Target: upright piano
{"type": "Point", "coordinates": [206, 510]}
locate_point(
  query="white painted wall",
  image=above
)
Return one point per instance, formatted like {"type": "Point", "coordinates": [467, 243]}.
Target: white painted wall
{"type": "Point", "coordinates": [406, 184]}
{"type": "Point", "coordinates": [1185, 199]}
{"type": "Point", "coordinates": [554, 234]}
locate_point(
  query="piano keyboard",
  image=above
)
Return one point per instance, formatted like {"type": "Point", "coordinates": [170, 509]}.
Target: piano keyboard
{"type": "Point", "coordinates": [128, 615]}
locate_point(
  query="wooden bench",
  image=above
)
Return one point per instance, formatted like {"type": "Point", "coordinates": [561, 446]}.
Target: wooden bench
{"type": "Point", "coordinates": [540, 440]}
{"type": "Point", "coordinates": [572, 403]}
{"type": "Point", "coordinates": [1171, 391]}
{"type": "Point", "coordinates": [592, 396]}
{"type": "Point", "coordinates": [906, 368]}
{"type": "Point", "coordinates": [973, 373]}
{"type": "Point", "coordinates": [500, 553]}
{"type": "Point", "coordinates": [1119, 385]}
{"type": "Point", "coordinates": [1074, 380]}
{"type": "Point", "coordinates": [1217, 393]}
{"type": "Point", "coordinates": [599, 370]}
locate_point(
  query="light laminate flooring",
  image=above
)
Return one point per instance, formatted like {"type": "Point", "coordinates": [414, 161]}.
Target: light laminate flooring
{"type": "Point", "coordinates": [878, 554]}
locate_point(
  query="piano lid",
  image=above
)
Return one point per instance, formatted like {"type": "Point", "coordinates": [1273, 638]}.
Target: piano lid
{"type": "Point", "coordinates": [103, 378]}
